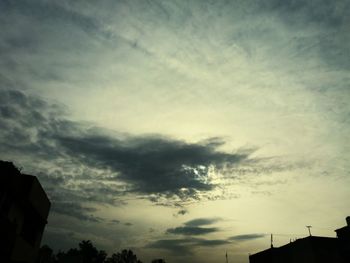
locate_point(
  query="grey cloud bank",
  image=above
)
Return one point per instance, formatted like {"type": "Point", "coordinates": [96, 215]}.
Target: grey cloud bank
{"type": "Point", "coordinates": [150, 165]}
{"type": "Point", "coordinates": [188, 230]}
{"type": "Point", "coordinates": [202, 221]}
{"type": "Point", "coordinates": [246, 237]}
{"type": "Point", "coordinates": [186, 245]}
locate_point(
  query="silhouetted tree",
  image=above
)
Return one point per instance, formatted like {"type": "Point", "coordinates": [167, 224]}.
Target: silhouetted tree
{"type": "Point", "coordinates": [90, 254]}
{"type": "Point", "coordinates": [71, 256]}
{"type": "Point", "coordinates": [158, 261]}
{"type": "Point", "coordinates": [45, 255]}
{"type": "Point", "coordinates": [125, 256]}
{"type": "Point", "coordinates": [86, 253]}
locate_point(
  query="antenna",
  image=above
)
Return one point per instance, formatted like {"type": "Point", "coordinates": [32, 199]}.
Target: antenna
{"type": "Point", "coordinates": [271, 241]}
{"type": "Point", "coordinates": [308, 227]}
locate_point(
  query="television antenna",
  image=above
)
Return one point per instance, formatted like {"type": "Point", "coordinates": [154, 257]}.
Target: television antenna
{"type": "Point", "coordinates": [309, 228]}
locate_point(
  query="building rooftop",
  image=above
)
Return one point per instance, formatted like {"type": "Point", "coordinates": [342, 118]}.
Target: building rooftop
{"type": "Point", "coordinates": [309, 249]}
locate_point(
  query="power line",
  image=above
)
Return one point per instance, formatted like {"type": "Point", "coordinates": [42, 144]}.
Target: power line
{"type": "Point", "coordinates": [287, 235]}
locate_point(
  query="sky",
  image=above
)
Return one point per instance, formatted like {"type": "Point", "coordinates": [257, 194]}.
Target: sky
{"type": "Point", "coordinates": [180, 129]}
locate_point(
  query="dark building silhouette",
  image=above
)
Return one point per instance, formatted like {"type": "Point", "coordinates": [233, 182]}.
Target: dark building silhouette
{"type": "Point", "coordinates": [343, 235]}
{"type": "Point", "coordinates": [24, 208]}
{"type": "Point", "coordinates": [311, 249]}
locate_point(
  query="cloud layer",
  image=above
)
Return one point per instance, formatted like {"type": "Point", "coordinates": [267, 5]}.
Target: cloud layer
{"type": "Point", "coordinates": [92, 165]}
{"type": "Point", "coordinates": [190, 241]}
{"type": "Point", "coordinates": [246, 237]}
{"type": "Point", "coordinates": [110, 103]}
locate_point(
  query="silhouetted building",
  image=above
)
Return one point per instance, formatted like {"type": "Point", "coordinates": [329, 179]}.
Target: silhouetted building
{"type": "Point", "coordinates": [343, 235]}
{"type": "Point", "coordinates": [24, 208]}
{"type": "Point", "coordinates": [305, 250]}
{"type": "Point", "coordinates": [311, 249]}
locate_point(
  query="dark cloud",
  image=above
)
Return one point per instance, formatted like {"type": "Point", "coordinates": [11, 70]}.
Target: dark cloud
{"type": "Point", "coordinates": [182, 212]}
{"type": "Point", "coordinates": [331, 20]}
{"type": "Point", "coordinates": [60, 239]}
{"type": "Point", "coordinates": [246, 237]}
{"type": "Point", "coordinates": [191, 230]}
{"type": "Point", "coordinates": [54, 178]}
{"type": "Point", "coordinates": [50, 12]}
{"type": "Point", "coordinates": [193, 227]}
{"type": "Point", "coordinates": [172, 245]}
{"type": "Point", "coordinates": [86, 165]}
{"type": "Point", "coordinates": [148, 164]}
{"type": "Point", "coordinates": [315, 11]}
{"type": "Point", "coordinates": [211, 242]}
{"type": "Point", "coordinates": [75, 210]}
{"type": "Point", "coordinates": [202, 221]}
{"type": "Point", "coordinates": [186, 245]}
{"type": "Point", "coordinates": [152, 164]}
{"type": "Point", "coordinates": [32, 29]}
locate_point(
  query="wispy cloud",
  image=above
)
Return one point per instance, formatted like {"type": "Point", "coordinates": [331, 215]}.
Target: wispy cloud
{"type": "Point", "coordinates": [203, 221]}
{"type": "Point", "coordinates": [194, 227]}
{"type": "Point", "coordinates": [246, 237]}
{"type": "Point", "coordinates": [75, 210]}
{"type": "Point", "coordinates": [186, 245]}
{"type": "Point", "coordinates": [182, 212]}
{"type": "Point", "coordinates": [191, 230]}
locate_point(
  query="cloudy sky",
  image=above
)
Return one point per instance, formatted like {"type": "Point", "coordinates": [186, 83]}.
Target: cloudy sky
{"type": "Point", "coordinates": [180, 129]}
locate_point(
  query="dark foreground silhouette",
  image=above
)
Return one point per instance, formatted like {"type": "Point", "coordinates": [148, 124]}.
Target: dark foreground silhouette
{"type": "Point", "coordinates": [311, 249]}
{"type": "Point", "coordinates": [24, 208]}
{"type": "Point", "coordinates": [88, 253]}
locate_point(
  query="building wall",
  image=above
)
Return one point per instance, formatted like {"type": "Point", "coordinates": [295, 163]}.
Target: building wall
{"type": "Point", "coordinates": [343, 235]}
{"type": "Point", "coordinates": [24, 209]}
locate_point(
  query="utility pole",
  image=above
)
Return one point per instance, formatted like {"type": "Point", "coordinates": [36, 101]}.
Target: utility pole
{"type": "Point", "coordinates": [271, 241]}
{"type": "Point", "coordinates": [226, 257]}
{"type": "Point", "coordinates": [308, 227]}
